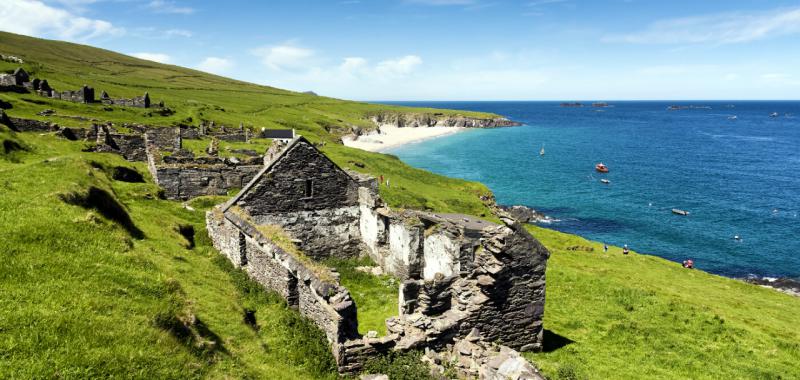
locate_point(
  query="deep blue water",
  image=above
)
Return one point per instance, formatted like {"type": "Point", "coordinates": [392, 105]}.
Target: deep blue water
{"type": "Point", "coordinates": [736, 177]}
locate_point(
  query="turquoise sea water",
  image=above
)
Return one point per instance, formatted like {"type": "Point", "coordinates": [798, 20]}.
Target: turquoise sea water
{"type": "Point", "coordinates": [735, 177]}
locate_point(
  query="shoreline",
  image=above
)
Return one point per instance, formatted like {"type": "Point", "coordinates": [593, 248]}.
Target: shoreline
{"type": "Point", "coordinates": [389, 137]}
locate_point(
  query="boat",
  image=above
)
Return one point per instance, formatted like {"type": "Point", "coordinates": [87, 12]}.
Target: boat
{"type": "Point", "coordinates": [680, 212]}
{"type": "Point", "coordinates": [605, 181]}
{"type": "Point", "coordinates": [734, 117]}
{"type": "Point", "coordinates": [602, 168]}
{"type": "Point", "coordinates": [541, 152]}
{"type": "Point", "coordinates": [774, 114]}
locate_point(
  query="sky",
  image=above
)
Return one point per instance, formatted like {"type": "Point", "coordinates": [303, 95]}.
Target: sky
{"type": "Point", "coordinates": [451, 49]}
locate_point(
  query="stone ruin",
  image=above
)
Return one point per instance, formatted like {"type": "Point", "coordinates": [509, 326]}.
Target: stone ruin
{"type": "Point", "coordinates": [472, 292]}
{"type": "Point", "coordinates": [180, 174]}
{"type": "Point", "coordinates": [20, 81]}
{"type": "Point", "coordinates": [458, 275]}
{"type": "Point", "coordinates": [139, 101]}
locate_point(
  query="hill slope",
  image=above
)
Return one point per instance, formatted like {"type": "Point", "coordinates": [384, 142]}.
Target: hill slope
{"type": "Point", "coordinates": [102, 279]}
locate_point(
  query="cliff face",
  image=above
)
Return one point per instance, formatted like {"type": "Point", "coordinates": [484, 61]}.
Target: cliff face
{"type": "Point", "coordinates": [413, 120]}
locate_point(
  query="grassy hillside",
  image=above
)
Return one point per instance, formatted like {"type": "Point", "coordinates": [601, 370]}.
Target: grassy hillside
{"type": "Point", "coordinates": [100, 278]}
{"type": "Point", "coordinates": [98, 281]}
{"type": "Point", "coordinates": [611, 316]}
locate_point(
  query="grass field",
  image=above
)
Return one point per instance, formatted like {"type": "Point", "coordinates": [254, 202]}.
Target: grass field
{"type": "Point", "coordinates": [100, 278]}
{"type": "Point", "coordinates": [610, 315]}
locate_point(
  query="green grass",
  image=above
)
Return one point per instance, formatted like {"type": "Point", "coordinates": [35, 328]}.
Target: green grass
{"type": "Point", "coordinates": [376, 296]}
{"type": "Point", "coordinates": [639, 316]}
{"type": "Point", "coordinates": [83, 294]}
{"type": "Point", "coordinates": [194, 96]}
{"type": "Point", "coordinates": [198, 147]}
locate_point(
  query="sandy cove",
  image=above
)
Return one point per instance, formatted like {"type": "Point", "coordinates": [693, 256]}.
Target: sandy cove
{"type": "Point", "coordinates": [392, 137]}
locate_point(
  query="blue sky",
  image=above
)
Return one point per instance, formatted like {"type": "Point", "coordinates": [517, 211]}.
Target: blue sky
{"type": "Point", "coordinates": [452, 49]}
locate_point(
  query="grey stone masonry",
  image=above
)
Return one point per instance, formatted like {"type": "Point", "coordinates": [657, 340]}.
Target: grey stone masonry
{"type": "Point", "coordinates": [139, 101]}
{"type": "Point", "coordinates": [315, 292]}
{"type": "Point", "coordinates": [459, 274]}
{"type": "Point", "coordinates": [300, 179]}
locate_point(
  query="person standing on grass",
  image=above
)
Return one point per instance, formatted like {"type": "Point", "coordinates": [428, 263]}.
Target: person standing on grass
{"type": "Point", "coordinates": [625, 250]}
{"type": "Point", "coordinates": [381, 181]}
{"type": "Point", "coordinates": [605, 248]}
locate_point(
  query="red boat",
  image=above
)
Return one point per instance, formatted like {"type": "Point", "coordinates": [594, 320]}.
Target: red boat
{"type": "Point", "coordinates": [602, 168]}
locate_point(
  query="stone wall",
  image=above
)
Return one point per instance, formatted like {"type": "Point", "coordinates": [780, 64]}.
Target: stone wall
{"type": "Point", "coordinates": [139, 101]}
{"type": "Point", "coordinates": [166, 139]}
{"type": "Point", "coordinates": [322, 233]}
{"type": "Point", "coordinates": [185, 181]}
{"type": "Point", "coordinates": [300, 179]}
{"type": "Point", "coordinates": [8, 80]}
{"type": "Point", "coordinates": [83, 95]}
{"type": "Point", "coordinates": [29, 125]}
{"type": "Point", "coordinates": [323, 301]}
{"type": "Point", "coordinates": [458, 275]}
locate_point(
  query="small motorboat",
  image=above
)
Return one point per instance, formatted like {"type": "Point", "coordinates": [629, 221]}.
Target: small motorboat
{"type": "Point", "coordinates": [601, 167]}
{"type": "Point", "coordinates": [680, 212]}
{"type": "Point", "coordinates": [774, 114]}
{"type": "Point", "coordinates": [734, 117]}
{"type": "Point", "coordinates": [605, 181]}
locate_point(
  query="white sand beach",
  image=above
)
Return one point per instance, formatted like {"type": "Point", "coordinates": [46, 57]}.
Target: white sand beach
{"type": "Point", "coordinates": [392, 137]}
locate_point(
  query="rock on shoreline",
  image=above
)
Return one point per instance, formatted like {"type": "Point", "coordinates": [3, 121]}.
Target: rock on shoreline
{"type": "Point", "coordinates": [784, 285]}
{"type": "Point", "coordinates": [525, 214]}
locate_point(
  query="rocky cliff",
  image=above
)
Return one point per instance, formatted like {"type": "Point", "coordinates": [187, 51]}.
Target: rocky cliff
{"type": "Point", "coordinates": [413, 120]}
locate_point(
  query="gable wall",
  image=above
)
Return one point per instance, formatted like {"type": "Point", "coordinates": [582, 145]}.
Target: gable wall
{"type": "Point", "coordinates": [282, 188]}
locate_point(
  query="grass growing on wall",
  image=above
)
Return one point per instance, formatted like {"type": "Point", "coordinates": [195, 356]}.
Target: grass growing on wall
{"type": "Point", "coordinates": [376, 297]}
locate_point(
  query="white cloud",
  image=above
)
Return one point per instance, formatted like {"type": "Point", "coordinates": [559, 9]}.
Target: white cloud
{"type": "Point", "coordinates": [161, 6]}
{"type": "Point", "coordinates": [353, 65]}
{"type": "Point", "coordinates": [285, 57]}
{"type": "Point", "coordinates": [34, 18]}
{"type": "Point", "coordinates": [215, 65]}
{"type": "Point", "coordinates": [155, 57]}
{"type": "Point", "coordinates": [400, 66]}
{"type": "Point", "coordinates": [724, 28]}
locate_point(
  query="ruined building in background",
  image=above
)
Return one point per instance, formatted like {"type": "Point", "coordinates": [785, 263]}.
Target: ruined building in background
{"type": "Point", "coordinates": [20, 81]}
{"type": "Point", "coordinates": [464, 281]}
{"type": "Point", "coordinates": [139, 101]}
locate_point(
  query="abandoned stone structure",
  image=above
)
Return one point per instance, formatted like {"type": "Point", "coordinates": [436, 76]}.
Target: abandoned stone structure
{"type": "Point", "coordinates": [139, 101]}
{"type": "Point", "coordinates": [18, 79]}
{"type": "Point", "coordinates": [460, 275]}
{"type": "Point", "coordinates": [83, 95]}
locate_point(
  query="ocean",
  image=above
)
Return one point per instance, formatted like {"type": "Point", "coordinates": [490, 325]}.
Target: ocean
{"type": "Point", "coordinates": [735, 176]}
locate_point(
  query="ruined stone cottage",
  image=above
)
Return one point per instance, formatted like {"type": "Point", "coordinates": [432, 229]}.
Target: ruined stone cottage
{"type": "Point", "coordinates": [463, 280]}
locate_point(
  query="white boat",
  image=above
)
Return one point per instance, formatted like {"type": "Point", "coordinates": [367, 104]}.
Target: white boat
{"type": "Point", "coordinates": [680, 212]}
{"type": "Point", "coordinates": [605, 181]}
{"type": "Point", "coordinates": [734, 117]}
{"type": "Point", "coordinates": [774, 114]}
{"type": "Point", "coordinates": [541, 152]}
